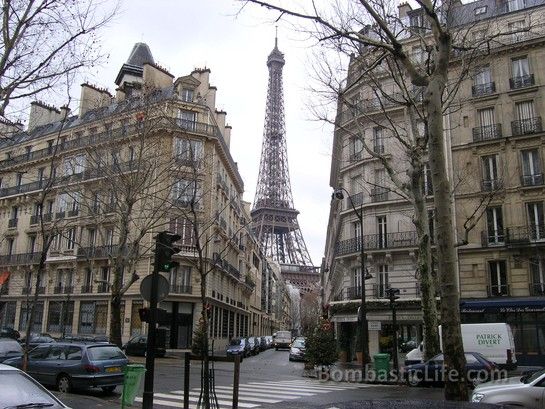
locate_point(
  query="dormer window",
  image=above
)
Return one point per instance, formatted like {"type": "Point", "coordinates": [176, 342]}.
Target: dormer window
{"type": "Point", "coordinates": [187, 95]}
{"type": "Point", "coordinates": [480, 10]}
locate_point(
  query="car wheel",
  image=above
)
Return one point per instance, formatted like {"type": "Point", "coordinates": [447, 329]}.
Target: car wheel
{"type": "Point", "coordinates": [108, 389]}
{"type": "Point", "coordinates": [413, 379]}
{"type": "Point", "coordinates": [63, 384]}
{"type": "Point", "coordinates": [291, 359]}
{"type": "Point", "coordinates": [276, 349]}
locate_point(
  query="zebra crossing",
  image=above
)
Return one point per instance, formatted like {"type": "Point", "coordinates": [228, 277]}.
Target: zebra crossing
{"type": "Point", "coordinates": [252, 394]}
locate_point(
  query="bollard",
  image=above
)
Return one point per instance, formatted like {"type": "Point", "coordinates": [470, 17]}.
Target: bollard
{"type": "Point", "coordinates": [186, 379]}
{"type": "Point", "coordinates": [236, 380]}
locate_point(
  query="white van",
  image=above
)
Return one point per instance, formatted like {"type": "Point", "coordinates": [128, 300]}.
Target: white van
{"type": "Point", "coordinates": [282, 340]}
{"type": "Point", "coordinates": [494, 341]}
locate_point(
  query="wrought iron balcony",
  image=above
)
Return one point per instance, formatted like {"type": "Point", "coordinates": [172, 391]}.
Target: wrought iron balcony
{"type": "Point", "coordinates": [494, 239]}
{"type": "Point", "coordinates": [377, 242]}
{"type": "Point", "coordinates": [379, 194]}
{"type": "Point", "coordinates": [29, 290]}
{"type": "Point", "coordinates": [522, 235]}
{"type": "Point", "coordinates": [87, 289]}
{"type": "Point", "coordinates": [103, 288]}
{"type": "Point", "coordinates": [491, 185]}
{"type": "Point", "coordinates": [354, 157]}
{"type": "Point", "coordinates": [73, 213]}
{"type": "Point", "coordinates": [380, 291]}
{"type": "Point", "coordinates": [479, 90]}
{"type": "Point", "coordinates": [526, 126]}
{"type": "Point", "coordinates": [499, 290]}
{"type": "Point", "coordinates": [63, 289]}
{"type": "Point", "coordinates": [353, 293]}
{"type": "Point", "coordinates": [12, 223]}
{"type": "Point", "coordinates": [181, 289]}
{"type": "Point", "coordinates": [532, 180]}
{"type": "Point", "coordinates": [34, 219]}
{"type": "Point", "coordinates": [487, 133]}
{"type": "Point", "coordinates": [22, 258]}
{"type": "Point", "coordinates": [522, 81]}
{"type": "Point", "coordinates": [100, 251]}
{"type": "Point", "coordinates": [537, 289]}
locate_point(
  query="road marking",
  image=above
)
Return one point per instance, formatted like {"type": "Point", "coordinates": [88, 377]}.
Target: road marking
{"type": "Point", "coordinates": [225, 389]}
{"type": "Point", "coordinates": [308, 386]}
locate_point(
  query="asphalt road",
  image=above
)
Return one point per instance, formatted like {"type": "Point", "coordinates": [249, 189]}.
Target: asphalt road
{"type": "Point", "coordinates": [267, 380]}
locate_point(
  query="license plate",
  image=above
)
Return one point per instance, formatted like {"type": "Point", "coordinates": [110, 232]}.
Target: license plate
{"type": "Point", "coordinates": [113, 369]}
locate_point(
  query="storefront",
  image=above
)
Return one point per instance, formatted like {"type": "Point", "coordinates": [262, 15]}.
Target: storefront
{"type": "Point", "coordinates": [526, 316]}
{"type": "Point", "coordinates": [180, 324]}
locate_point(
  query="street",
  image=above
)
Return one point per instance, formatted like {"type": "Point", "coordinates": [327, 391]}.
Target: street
{"type": "Point", "coordinates": [267, 380]}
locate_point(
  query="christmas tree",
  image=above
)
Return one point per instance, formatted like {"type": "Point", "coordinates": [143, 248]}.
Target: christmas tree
{"type": "Point", "coordinates": [321, 346]}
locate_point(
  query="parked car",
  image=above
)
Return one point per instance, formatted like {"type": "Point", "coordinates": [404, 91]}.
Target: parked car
{"type": "Point", "coordinates": [254, 347]}
{"type": "Point", "coordinates": [408, 345]}
{"type": "Point", "coordinates": [238, 346]}
{"type": "Point", "coordinates": [9, 348]}
{"type": "Point", "coordinates": [75, 365]}
{"type": "Point", "coordinates": [18, 390]}
{"type": "Point", "coordinates": [525, 391]}
{"type": "Point", "coordinates": [37, 339]}
{"type": "Point", "coordinates": [138, 344]}
{"type": "Point", "coordinates": [297, 350]}
{"type": "Point", "coordinates": [8, 332]}
{"type": "Point", "coordinates": [269, 339]}
{"type": "Point", "coordinates": [262, 343]}
{"type": "Point", "coordinates": [478, 370]}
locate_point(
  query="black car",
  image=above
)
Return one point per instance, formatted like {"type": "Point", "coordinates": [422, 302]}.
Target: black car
{"type": "Point", "coordinates": [8, 332]}
{"type": "Point", "coordinates": [238, 346]}
{"type": "Point", "coordinates": [9, 348]}
{"type": "Point", "coordinates": [138, 344]}
{"type": "Point", "coordinates": [478, 370]}
{"type": "Point", "coordinates": [262, 343]}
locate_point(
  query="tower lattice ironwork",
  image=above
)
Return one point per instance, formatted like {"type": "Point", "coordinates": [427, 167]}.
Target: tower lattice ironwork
{"type": "Point", "coordinates": [274, 215]}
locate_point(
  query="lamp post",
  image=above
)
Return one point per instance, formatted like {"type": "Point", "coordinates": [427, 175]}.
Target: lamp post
{"type": "Point", "coordinates": [393, 295]}
{"type": "Point", "coordinates": [362, 315]}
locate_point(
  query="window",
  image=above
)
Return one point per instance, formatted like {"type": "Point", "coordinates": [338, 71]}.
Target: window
{"type": "Point", "coordinates": [431, 225]}
{"type": "Point", "coordinates": [50, 144]}
{"type": "Point", "coordinates": [31, 243]}
{"type": "Point", "coordinates": [186, 191]}
{"type": "Point", "coordinates": [62, 203]}
{"type": "Point", "coordinates": [73, 353]}
{"type": "Point", "coordinates": [188, 150]}
{"type": "Point", "coordinates": [482, 81]}
{"type": "Point", "coordinates": [184, 227]}
{"type": "Point", "coordinates": [382, 278]}
{"type": "Point", "coordinates": [531, 168]}
{"type": "Point", "coordinates": [356, 148]}
{"type": "Point", "coordinates": [490, 172]}
{"type": "Point", "coordinates": [14, 212]}
{"type": "Point", "coordinates": [25, 315]}
{"type": "Point", "coordinates": [19, 179]}
{"type": "Point", "coordinates": [71, 238]}
{"type": "Point", "coordinates": [91, 237]}
{"type": "Point", "coordinates": [74, 165]}
{"type": "Point", "coordinates": [41, 175]}
{"type": "Point", "coordinates": [180, 279]}
{"type": "Point", "coordinates": [187, 119]}
{"type": "Point", "coordinates": [378, 140]}
{"type": "Point", "coordinates": [10, 242]}
{"type": "Point", "coordinates": [109, 237]}
{"type": "Point", "coordinates": [382, 232]}
{"type": "Point", "coordinates": [494, 223]}
{"type": "Point", "coordinates": [498, 278]}
{"type": "Point", "coordinates": [518, 30]}
{"type": "Point", "coordinates": [520, 70]}
{"type": "Point", "coordinates": [356, 228]}
{"type": "Point", "coordinates": [513, 5]}
{"type": "Point", "coordinates": [59, 316]}
{"type": "Point", "coordinates": [428, 185]}
{"type": "Point", "coordinates": [536, 220]}
{"type": "Point", "coordinates": [480, 10]}
{"type": "Point", "coordinates": [486, 118]}
{"type": "Point", "coordinates": [187, 95]}
{"type": "Point", "coordinates": [356, 280]}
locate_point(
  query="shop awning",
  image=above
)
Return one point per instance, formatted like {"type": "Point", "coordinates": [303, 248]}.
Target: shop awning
{"type": "Point", "coordinates": [522, 304]}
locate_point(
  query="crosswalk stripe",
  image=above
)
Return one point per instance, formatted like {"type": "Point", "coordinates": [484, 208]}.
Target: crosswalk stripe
{"type": "Point", "coordinates": [196, 399]}
{"type": "Point", "coordinates": [283, 387]}
{"type": "Point", "coordinates": [306, 386]}
{"type": "Point", "coordinates": [280, 395]}
{"type": "Point", "coordinates": [226, 395]}
{"type": "Point", "coordinates": [166, 403]}
{"type": "Point", "coordinates": [270, 390]}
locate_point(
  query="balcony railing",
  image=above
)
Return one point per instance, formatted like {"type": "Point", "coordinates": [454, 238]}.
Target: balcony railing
{"type": "Point", "coordinates": [181, 289]}
{"type": "Point", "coordinates": [12, 223]}
{"type": "Point", "coordinates": [377, 242]}
{"type": "Point", "coordinates": [353, 293]}
{"type": "Point", "coordinates": [537, 289]}
{"type": "Point", "coordinates": [63, 289]}
{"type": "Point", "coordinates": [379, 194]}
{"type": "Point", "coordinates": [491, 185]}
{"type": "Point", "coordinates": [22, 258]}
{"type": "Point", "coordinates": [492, 239]}
{"type": "Point", "coordinates": [378, 148]}
{"type": "Point", "coordinates": [526, 126]}
{"type": "Point", "coordinates": [380, 291]}
{"type": "Point", "coordinates": [532, 180]}
{"type": "Point", "coordinates": [29, 290]}
{"type": "Point", "coordinates": [373, 290]}
{"type": "Point", "coordinates": [498, 290]}
{"type": "Point", "coordinates": [100, 251]}
{"type": "Point", "coordinates": [86, 288]}
{"type": "Point", "coordinates": [103, 288]}
{"type": "Point", "coordinates": [487, 133]}
{"type": "Point", "coordinates": [522, 81]}
{"type": "Point", "coordinates": [479, 90]}
{"type": "Point", "coordinates": [522, 235]}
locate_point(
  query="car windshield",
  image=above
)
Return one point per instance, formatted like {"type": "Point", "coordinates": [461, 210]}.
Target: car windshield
{"type": "Point", "coordinates": [299, 344]}
{"type": "Point", "coordinates": [234, 342]}
{"type": "Point", "coordinates": [18, 389]}
{"type": "Point", "coordinates": [533, 377]}
{"type": "Point", "coordinates": [7, 346]}
{"type": "Point", "coordinates": [104, 353]}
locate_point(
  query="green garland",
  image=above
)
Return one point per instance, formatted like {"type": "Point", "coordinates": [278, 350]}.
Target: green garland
{"type": "Point", "coordinates": [352, 307]}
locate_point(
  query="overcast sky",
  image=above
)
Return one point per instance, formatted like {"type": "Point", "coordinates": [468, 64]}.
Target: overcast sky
{"type": "Point", "coordinates": [186, 34]}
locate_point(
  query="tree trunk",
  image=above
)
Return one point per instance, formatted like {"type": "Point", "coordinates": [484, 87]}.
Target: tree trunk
{"type": "Point", "coordinates": [115, 320]}
{"type": "Point", "coordinates": [455, 389]}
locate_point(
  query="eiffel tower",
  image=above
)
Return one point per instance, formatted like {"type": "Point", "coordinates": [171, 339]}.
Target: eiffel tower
{"type": "Point", "coordinates": [274, 217]}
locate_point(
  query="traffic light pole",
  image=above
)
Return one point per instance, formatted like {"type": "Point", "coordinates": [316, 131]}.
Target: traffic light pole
{"type": "Point", "coordinates": [147, 398]}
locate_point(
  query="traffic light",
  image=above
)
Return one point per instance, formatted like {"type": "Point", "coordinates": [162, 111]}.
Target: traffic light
{"type": "Point", "coordinates": [164, 250]}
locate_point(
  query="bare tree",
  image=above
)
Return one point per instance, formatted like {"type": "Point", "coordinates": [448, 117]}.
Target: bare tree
{"type": "Point", "coordinates": [44, 42]}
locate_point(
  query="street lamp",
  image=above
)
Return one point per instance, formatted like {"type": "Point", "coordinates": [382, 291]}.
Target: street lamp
{"type": "Point", "coordinates": [393, 295]}
{"type": "Point", "coordinates": [362, 314]}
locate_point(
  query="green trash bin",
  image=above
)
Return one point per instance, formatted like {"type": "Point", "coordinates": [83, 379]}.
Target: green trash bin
{"type": "Point", "coordinates": [382, 366]}
{"type": "Point", "coordinates": [131, 383]}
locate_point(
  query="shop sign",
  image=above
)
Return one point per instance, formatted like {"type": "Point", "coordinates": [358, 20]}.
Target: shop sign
{"type": "Point", "coordinates": [374, 325]}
